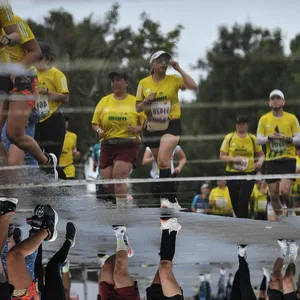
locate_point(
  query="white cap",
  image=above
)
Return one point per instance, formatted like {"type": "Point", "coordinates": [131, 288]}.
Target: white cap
{"type": "Point", "coordinates": [158, 54]}
{"type": "Point", "coordinates": [204, 186]}
{"type": "Point", "coordinates": [276, 93]}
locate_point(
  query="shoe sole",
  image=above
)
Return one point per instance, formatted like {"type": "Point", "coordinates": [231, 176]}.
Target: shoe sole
{"type": "Point", "coordinates": [12, 200]}
{"type": "Point", "coordinates": [54, 159]}
{"type": "Point", "coordinates": [54, 237]}
{"type": "Point", "coordinates": [73, 242]}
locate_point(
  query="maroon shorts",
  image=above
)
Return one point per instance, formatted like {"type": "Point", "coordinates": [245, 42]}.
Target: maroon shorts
{"type": "Point", "coordinates": [108, 292]}
{"type": "Point", "coordinates": [127, 152]}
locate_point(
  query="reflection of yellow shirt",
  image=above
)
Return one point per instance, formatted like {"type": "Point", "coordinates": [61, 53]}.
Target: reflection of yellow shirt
{"type": "Point", "coordinates": [245, 147]}
{"type": "Point", "coordinates": [6, 20]}
{"type": "Point", "coordinates": [260, 200]}
{"type": "Point", "coordinates": [166, 94]}
{"type": "Point", "coordinates": [66, 160]}
{"type": "Point", "coordinates": [288, 125]}
{"type": "Point", "coordinates": [115, 117]}
{"type": "Point", "coordinates": [219, 200]}
{"type": "Point", "coordinates": [18, 51]}
{"type": "Point", "coordinates": [296, 184]}
{"type": "Point", "coordinates": [55, 81]}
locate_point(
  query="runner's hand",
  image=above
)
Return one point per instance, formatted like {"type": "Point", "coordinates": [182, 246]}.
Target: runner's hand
{"type": "Point", "coordinates": [258, 165]}
{"type": "Point", "coordinates": [175, 65]}
{"type": "Point", "coordinates": [43, 90]}
{"type": "Point", "coordinates": [150, 98]}
{"type": "Point", "coordinates": [238, 159]}
{"type": "Point", "coordinates": [177, 171]}
{"type": "Point", "coordinates": [133, 130]}
{"type": "Point", "coordinates": [3, 41]}
{"type": "Point", "coordinates": [100, 133]}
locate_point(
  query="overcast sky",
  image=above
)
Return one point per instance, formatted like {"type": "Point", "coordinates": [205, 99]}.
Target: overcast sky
{"type": "Point", "coordinates": [200, 18]}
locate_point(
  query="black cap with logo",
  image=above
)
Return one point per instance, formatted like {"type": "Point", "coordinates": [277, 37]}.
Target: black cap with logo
{"type": "Point", "coordinates": [241, 120]}
{"type": "Point", "coordinates": [118, 73]}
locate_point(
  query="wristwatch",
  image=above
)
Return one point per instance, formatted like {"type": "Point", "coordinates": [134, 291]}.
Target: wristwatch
{"type": "Point", "coordinates": [8, 38]}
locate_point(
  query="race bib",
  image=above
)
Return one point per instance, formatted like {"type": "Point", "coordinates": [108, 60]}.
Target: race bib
{"type": "Point", "coordinates": [277, 146]}
{"type": "Point", "coordinates": [42, 106]}
{"type": "Point", "coordinates": [160, 110]}
{"type": "Point", "coordinates": [242, 165]}
{"type": "Point", "coordinates": [221, 202]}
{"type": "Point", "coordinates": [261, 204]}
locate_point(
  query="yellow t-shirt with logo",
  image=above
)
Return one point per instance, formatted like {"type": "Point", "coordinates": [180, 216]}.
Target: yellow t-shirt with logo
{"type": "Point", "coordinates": [56, 81]}
{"type": "Point", "coordinates": [166, 102]}
{"type": "Point", "coordinates": [66, 160]}
{"type": "Point", "coordinates": [115, 116]}
{"type": "Point", "coordinates": [260, 200]}
{"type": "Point", "coordinates": [220, 202]}
{"type": "Point", "coordinates": [288, 125]}
{"type": "Point", "coordinates": [6, 19]}
{"type": "Point", "coordinates": [17, 52]}
{"type": "Point", "coordinates": [296, 184]}
{"type": "Point", "coordinates": [245, 147]}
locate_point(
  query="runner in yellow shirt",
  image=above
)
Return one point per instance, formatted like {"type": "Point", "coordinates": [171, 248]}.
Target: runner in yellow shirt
{"type": "Point", "coordinates": [157, 95]}
{"type": "Point", "coordinates": [26, 52]}
{"type": "Point", "coordinates": [118, 125]}
{"type": "Point", "coordinates": [259, 199]}
{"type": "Point", "coordinates": [239, 150]}
{"type": "Point", "coordinates": [69, 152]}
{"type": "Point", "coordinates": [53, 93]}
{"type": "Point", "coordinates": [219, 200]}
{"type": "Point", "coordinates": [280, 131]}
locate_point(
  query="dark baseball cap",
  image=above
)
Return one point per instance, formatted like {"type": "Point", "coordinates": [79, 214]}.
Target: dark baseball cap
{"type": "Point", "coordinates": [241, 120]}
{"type": "Point", "coordinates": [118, 73]}
{"type": "Point", "coordinates": [46, 49]}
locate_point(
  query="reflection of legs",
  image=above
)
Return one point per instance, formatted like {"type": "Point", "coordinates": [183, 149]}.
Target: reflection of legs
{"type": "Point", "coordinates": [168, 142]}
{"type": "Point", "coordinates": [121, 170]}
{"type": "Point", "coordinates": [245, 281]}
{"type": "Point", "coordinates": [18, 273]}
{"type": "Point", "coordinates": [107, 173]}
{"type": "Point", "coordinates": [286, 193]}
{"type": "Point", "coordinates": [246, 187]}
{"type": "Point", "coordinates": [263, 288]}
{"type": "Point", "coordinates": [38, 269]}
{"type": "Point", "coordinates": [107, 271]}
{"type": "Point", "coordinates": [170, 287]}
{"type": "Point", "coordinates": [66, 279]}
{"type": "Point", "coordinates": [236, 288]}
{"type": "Point", "coordinates": [233, 187]}
{"type": "Point", "coordinates": [275, 197]}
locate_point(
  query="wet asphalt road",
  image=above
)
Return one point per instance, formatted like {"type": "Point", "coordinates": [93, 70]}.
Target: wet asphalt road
{"type": "Point", "coordinates": [202, 244]}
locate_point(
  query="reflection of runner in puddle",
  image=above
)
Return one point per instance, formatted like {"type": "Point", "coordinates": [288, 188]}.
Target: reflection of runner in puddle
{"type": "Point", "coordinates": [239, 150]}
{"type": "Point", "coordinates": [164, 284]}
{"type": "Point", "coordinates": [279, 131]}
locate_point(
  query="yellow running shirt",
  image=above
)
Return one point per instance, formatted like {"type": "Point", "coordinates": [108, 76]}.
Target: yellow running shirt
{"type": "Point", "coordinates": [260, 200]}
{"type": "Point", "coordinates": [55, 81]}
{"type": "Point", "coordinates": [220, 202]}
{"type": "Point", "coordinates": [288, 125]}
{"type": "Point", "coordinates": [66, 160]}
{"type": "Point", "coordinates": [17, 52]}
{"type": "Point", "coordinates": [115, 117]}
{"type": "Point", "coordinates": [6, 19]}
{"type": "Point", "coordinates": [296, 184]}
{"type": "Point", "coordinates": [245, 147]}
{"type": "Point", "coordinates": [166, 102]}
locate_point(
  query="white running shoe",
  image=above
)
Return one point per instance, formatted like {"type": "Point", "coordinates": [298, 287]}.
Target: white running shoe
{"type": "Point", "coordinates": [120, 232]}
{"type": "Point", "coordinates": [283, 247]}
{"type": "Point", "coordinates": [165, 203]}
{"type": "Point", "coordinates": [293, 251]}
{"type": "Point", "coordinates": [242, 251]}
{"type": "Point", "coordinates": [267, 273]}
{"type": "Point", "coordinates": [170, 224]}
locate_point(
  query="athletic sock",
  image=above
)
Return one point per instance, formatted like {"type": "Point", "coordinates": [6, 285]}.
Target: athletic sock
{"type": "Point", "coordinates": [120, 243]}
{"type": "Point", "coordinates": [167, 246]}
{"type": "Point", "coordinates": [166, 188]}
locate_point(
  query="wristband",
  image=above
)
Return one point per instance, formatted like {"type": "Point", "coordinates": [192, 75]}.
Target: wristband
{"type": "Point", "coordinates": [98, 130]}
{"type": "Point", "coordinates": [8, 38]}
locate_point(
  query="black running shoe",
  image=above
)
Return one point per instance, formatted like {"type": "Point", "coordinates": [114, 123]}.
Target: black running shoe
{"type": "Point", "coordinates": [50, 222]}
{"type": "Point", "coordinates": [11, 229]}
{"type": "Point", "coordinates": [71, 233]}
{"type": "Point", "coordinates": [7, 205]}
{"type": "Point", "coordinates": [50, 168]}
{"type": "Point", "coordinates": [17, 236]}
{"type": "Point", "coordinates": [33, 231]}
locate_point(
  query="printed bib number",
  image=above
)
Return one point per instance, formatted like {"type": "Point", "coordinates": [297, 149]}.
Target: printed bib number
{"type": "Point", "coordinates": [261, 204]}
{"type": "Point", "coordinates": [277, 146]}
{"type": "Point", "coordinates": [241, 165]}
{"type": "Point", "coordinates": [160, 110]}
{"type": "Point", "coordinates": [221, 202]}
{"type": "Point", "coordinates": [42, 106]}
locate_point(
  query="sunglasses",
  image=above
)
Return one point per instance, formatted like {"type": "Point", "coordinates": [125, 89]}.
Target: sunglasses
{"type": "Point", "coordinates": [161, 60]}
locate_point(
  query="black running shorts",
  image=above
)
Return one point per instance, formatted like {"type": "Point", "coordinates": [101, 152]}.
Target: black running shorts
{"type": "Point", "coordinates": [280, 166]}
{"type": "Point", "coordinates": [152, 139]}
{"type": "Point", "coordinates": [154, 292]}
